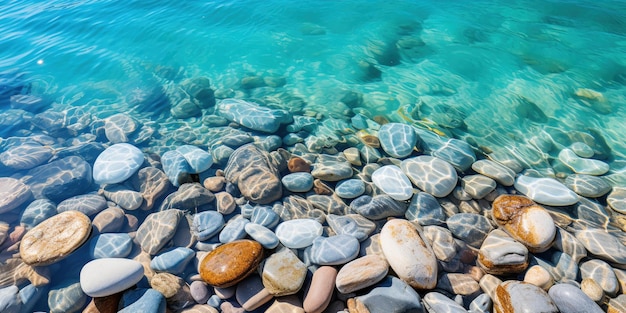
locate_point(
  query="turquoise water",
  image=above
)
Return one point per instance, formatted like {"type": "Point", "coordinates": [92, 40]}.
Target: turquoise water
{"type": "Point", "coordinates": [521, 78]}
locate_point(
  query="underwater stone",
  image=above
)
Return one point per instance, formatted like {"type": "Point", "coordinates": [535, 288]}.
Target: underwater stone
{"type": "Point", "coordinates": [581, 165]}
{"type": "Point", "coordinates": [431, 174]}
{"type": "Point", "coordinates": [198, 159]}
{"type": "Point", "coordinates": [425, 210]}
{"type": "Point", "coordinates": [13, 194]}
{"type": "Point", "coordinates": [60, 179]}
{"type": "Point", "coordinates": [398, 140]}
{"type": "Point", "coordinates": [253, 116]}
{"type": "Point", "coordinates": [587, 185]}
{"type": "Point", "coordinates": [298, 182]}
{"type": "Point", "coordinates": [117, 163]}
{"type": "Point", "coordinates": [176, 167]}
{"type": "Point", "coordinates": [253, 171]}
{"type": "Point", "coordinates": [546, 191]}
{"type": "Point", "coordinates": [392, 181]}
{"type": "Point", "coordinates": [350, 188]}
{"type": "Point", "coordinates": [26, 156]}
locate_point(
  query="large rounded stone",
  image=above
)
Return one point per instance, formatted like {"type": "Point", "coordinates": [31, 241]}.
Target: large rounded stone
{"type": "Point", "coordinates": [430, 174]}
{"type": "Point", "coordinates": [256, 175]}
{"type": "Point", "coordinates": [392, 181]}
{"type": "Point", "coordinates": [117, 163]}
{"type": "Point", "coordinates": [104, 277]}
{"type": "Point", "coordinates": [398, 140]}
{"type": "Point", "coordinates": [230, 263]}
{"type": "Point", "coordinates": [546, 191]}
{"type": "Point", "coordinates": [13, 193]}
{"type": "Point", "coordinates": [515, 296]}
{"type": "Point", "coordinates": [55, 238]}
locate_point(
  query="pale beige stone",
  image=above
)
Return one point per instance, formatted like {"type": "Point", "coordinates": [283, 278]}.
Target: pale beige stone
{"type": "Point", "coordinates": [283, 273]}
{"type": "Point", "coordinates": [592, 289]}
{"type": "Point", "coordinates": [287, 304]}
{"type": "Point", "coordinates": [539, 276]}
{"type": "Point", "coordinates": [361, 273]}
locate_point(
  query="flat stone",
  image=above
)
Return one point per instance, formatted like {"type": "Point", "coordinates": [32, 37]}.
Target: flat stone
{"type": "Point", "coordinates": [320, 291]}
{"type": "Point", "coordinates": [142, 300]}
{"type": "Point", "coordinates": [124, 197]}
{"type": "Point", "coordinates": [230, 263]}
{"type": "Point", "coordinates": [500, 254]}
{"type": "Point", "coordinates": [500, 173]}
{"type": "Point", "coordinates": [26, 156]}
{"type": "Point", "coordinates": [108, 276]}
{"type": "Point", "coordinates": [119, 127]}
{"type": "Point", "coordinates": [172, 261]}
{"type": "Point", "coordinates": [430, 174]}
{"type": "Point", "coordinates": [408, 254]}
{"type": "Point", "coordinates": [587, 185]}
{"type": "Point", "coordinates": [299, 233]}
{"type": "Point", "coordinates": [470, 227]}
{"type": "Point", "coordinates": [117, 163]}
{"type": "Point", "coordinates": [617, 200]}
{"type": "Point", "coordinates": [478, 186]}
{"type": "Point", "coordinates": [283, 273]}
{"type": "Point", "coordinates": [263, 235]}
{"type": "Point", "coordinates": [55, 238]}
{"type": "Point", "coordinates": [351, 224]}
{"type": "Point", "coordinates": [603, 245]}
{"type": "Point", "coordinates": [257, 177]}
{"type": "Point", "coordinates": [570, 299]}
{"type": "Point", "coordinates": [582, 165]}
{"type": "Point", "coordinates": [391, 295]}
{"type": "Point", "coordinates": [424, 209]}
{"type": "Point", "coordinates": [60, 179]}
{"type": "Point", "coordinates": [546, 191]}
{"type": "Point", "coordinates": [207, 224]}
{"type": "Point", "coordinates": [89, 204]}
{"type": "Point", "coordinates": [332, 170]}
{"type": "Point", "coordinates": [582, 149]}
{"type": "Point", "coordinates": [378, 207]}
{"type": "Point", "coordinates": [392, 181]}
{"type": "Point", "coordinates": [334, 250]}
{"type": "Point", "coordinates": [361, 273]}
{"type": "Point", "coordinates": [437, 302]}
{"type": "Point", "coordinates": [188, 197]}
{"type": "Point", "coordinates": [198, 159]}
{"type": "Point", "coordinates": [602, 273]}
{"type": "Point", "coordinates": [157, 230]}
{"type": "Point", "coordinates": [253, 116]}
{"type": "Point", "coordinates": [110, 246]}
{"type": "Point", "coordinates": [369, 154]}
{"type": "Point", "coordinates": [398, 140]}
{"type": "Point", "coordinates": [235, 229]}
{"type": "Point", "coordinates": [525, 221]}
{"type": "Point", "coordinates": [298, 182]}
{"type": "Point", "coordinates": [514, 296]}
{"type": "Point", "coordinates": [350, 188]}
{"type": "Point", "coordinates": [66, 297]}
{"type": "Point", "coordinates": [37, 212]}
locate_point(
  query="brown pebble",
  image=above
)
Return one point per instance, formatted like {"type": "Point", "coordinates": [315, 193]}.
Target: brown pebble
{"type": "Point", "coordinates": [298, 164]}
{"type": "Point", "coordinates": [230, 263]}
{"type": "Point", "coordinates": [106, 304]}
{"type": "Point", "coordinates": [321, 290]}
{"type": "Point", "coordinates": [215, 183]}
{"type": "Point", "coordinates": [320, 188]}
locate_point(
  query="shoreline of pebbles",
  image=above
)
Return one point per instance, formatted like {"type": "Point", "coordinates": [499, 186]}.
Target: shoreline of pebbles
{"type": "Point", "coordinates": [331, 216]}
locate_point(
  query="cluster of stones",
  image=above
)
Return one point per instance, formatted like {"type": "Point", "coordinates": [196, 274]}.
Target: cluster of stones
{"type": "Point", "coordinates": [282, 213]}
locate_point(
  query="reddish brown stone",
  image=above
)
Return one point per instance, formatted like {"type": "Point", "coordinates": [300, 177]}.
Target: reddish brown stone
{"type": "Point", "coordinates": [230, 263]}
{"type": "Point", "coordinates": [297, 164]}
{"type": "Point", "coordinates": [104, 304]}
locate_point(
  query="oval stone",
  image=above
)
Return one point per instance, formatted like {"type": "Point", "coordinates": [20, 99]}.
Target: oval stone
{"type": "Point", "coordinates": [320, 291]}
{"type": "Point", "coordinates": [361, 273]}
{"type": "Point", "coordinates": [546, 191]}
{"type": "Point", "coordinates": [408, 254]}
{"type": "Point", "coordinates": [350, 188]}
{"type": "Point", "coordinates": [230, 263]}
{"type": "Point", "coordinates": [104, 277]}
{"type": "Point", "coordinates": [283, 273]}
{"type": "Point", "coordinates": [334, 250]}
{"type": "Point", "coordinates": [570, 299]}
{"type": "Point", "coordinates": [299, 233]}
{"type": "Point", "coordinates": [392, 181]}
{"type": "Point", "coordinates": [398, 140]}
{"type": "Point", "coordinates": [12, 194]}
{"type": "Point", "coordinates": [298, 182]}
{"type": "Point", "coordinates": [117, 163]}
{"type": "Point", "coordinates": [332, 171]}
{"type": "Point", "coordinates": [430, 174]}
{"type": "Point", "coordinates": [515, 296]}
{"type": "Point", "coordinates": [55, 238]}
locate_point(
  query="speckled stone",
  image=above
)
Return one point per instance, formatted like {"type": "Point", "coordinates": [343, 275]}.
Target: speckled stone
{"type": "Point", "coordinates": [408, 254]}
{"type": "Point", "coordinates": [603, 245]}
{"type": "Point", "coordinates": [298, 182]}
{"type": "Point", "coordinates": [546, 191]}
{"type": "Point", "coordinates": [602, 273]}
{"type": "Point", "coordinates": [36, 212]}
{"type": "Point", "coordinates": [157, 230]}
{"type": "Point", "coordinates": [424, 209]}
{"type": "Point", "coordinates": [332, 170]}
{"type": "Point", "coordinates": [230, 263]}
{"type": "Point", "coordinates": [299, 233]}
{"type": "Point", "coordinates": [437, 302]}
{"type": "Point", "coordinates": [105, 277]}
{"type": "Point", "coordinates": [117, 163]}
{"type": "Point", "coordinates": [350, 188]}
{"type": "Point", "coordinates": [334, 250]}
{"type": "Point", "coordinates": [361, 273]}
{"type": "Point", "coordinates": [397, 140]}
{"type": "Point", "coordinates": [392, 181]}
{"type": "Point", "coordinates": [430, 174]}
{"type": "Point", "coordinates": [617, 200]}
{"type": "Point", "coordinates": [13, 193]}
{"type": "Point", "coordinates": [582, 165]}
{"type": "Point", "coordinates": [55, 238]}
{"type": "Point", "coordinates": [514, 296]}
{"type": "Point", "coordinates": [500, 254]}
{"type": "Point", "coordinates": [110, 246]}
{"type": "Point", "coordinates": [570, 299]}
{"type": "Point", "coordinates": [587, 185]}
{"type": "Point", "coordinates": [500, 173]}
{"type": "Point", "coordinates": [470, 227]}
{"type": "Point", "coordinates": [283, 273]}
{"type": "Point", "coordinates": [525, 221]}
{"type": "Point", "coordinates": [478, 186]}
{"type": "Point", "coordinates": [253, 171]}
{"type": "Point", "coordinates": [391, 295]}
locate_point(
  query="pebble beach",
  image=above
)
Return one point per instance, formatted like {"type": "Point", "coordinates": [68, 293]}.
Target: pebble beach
{"type": "Point", "coordinates": [260, 191]}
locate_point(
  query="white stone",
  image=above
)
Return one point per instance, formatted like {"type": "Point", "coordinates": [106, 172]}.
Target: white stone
{"type": "Point", "coordinates": [300, 233]}
{"type": "Point", "coordinates": [546, 191]}
{"type": "Point", "coordinates": [107, 276]}
{"type": "Point", "coordinates": [392, 181]}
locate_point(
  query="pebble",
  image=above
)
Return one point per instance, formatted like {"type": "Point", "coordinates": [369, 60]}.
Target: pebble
{"type": "Point", "coordinates": [361, 273]}
{"type": "Point", "coordinates": [199, 291]}
{"type": "Point", "coordinates": [587, 185]}
{"type": "Point", "coordinates": [287, 304]}
{"type": "Point", "coordinates": [262, 235]}
{"type": "Point", "coordinates": [592, 289]}
{"type": "Point", "coordinates": [36, 212]}
{"type": "Point", "coordinates": [59, 179]}
{"type": "Point", "coordinates": [409, 256]}
{"type": "Point", "coordinates": [9, 300]}
{"type": "Point", "coordinates": [251, 115]}
{"type": "Point", "coordinates": [514, 296]}
{"type": "Point", "coordinates": [13, 193]}
{"type": "Point", "coordinates": [172, 261]}
{"type": "Point", "coordinates": [234, 229]}
{"type": "Point", "coordinates": [378, 207]}
{"type": "Point", "coordinates": [570, 299]}
{"type": "Point", "coordinates": [350, 188]}
{"type": "Point", "coordinates": [230, 263]}
{"type": "Point", "coordinates": [470, 227]}
{"type": "Point", "coordinates": [442, 241]}
{"type": "Point", "coordinates": [298, 182]}
{"type": "Point", "coordinates": [481, 304]}
{"type": "Point", "coordinates": [437, 303]}
{"type": "Point", "coordinates": [110, 246]}
{"type": "Point", "coordinates": [298, 164]}
{"type": "Point", "coordinates": [617, 304]}
{"type": "Point", "coordinates": [283, 273]}
{"type": "Point", "coordinates": [539, 276]}
{"type": "Point", "coordinates": [603, 245]}
{"type": "Point", "coordinates": [265, 216]}
{"type": "Point", "coordinates": [397, 140]}
{"type": "Point", "coordinates": [251, 294]}
{"type": "Point", "coordinates": [299, 233]}
{"type": "Point", "coordinates": [459, 284]}
{"type": "Point", "coordinates": [30, 295]}
{"type": "Point", "coordinates": [320, 291]}
{"type": "Point", "coordinates": [546, 191]}
{"type": "Point", "coordinates": [525, 221]}
{"type": "Point", "coordinates": [424, 209]}
{"type": "Point", "coordinates": [332, 171]}
{"type": "Point", "coordinates": [351, 224]}
{"type": "Point", "coordinates": [157, 230]}
{"type": "Point", "coordinates": [478, 186]}
{"type": "Point", "coordinates": [582, 165]}
{"type": "Point", "coordinates": [215, 183]}
{"type": "Point", "coordinates": [176, 167]}
{"type": "Point", "coordinates": [198, 159]}
{"type": "Point", "coordinates": [152, 183]}
{"type": "Point", "coordinates": [189, 197]}
{"type": "Point", "coordinates": [602, 273]}
{"type": "Point", "coordinates": [108, 276]}
{"type": "Point", "coordinates": [500, 173]}
{"type": "Point", "coordinates": [207, 224]}
{"type": "Point", "coordinates": [257, 177]}
{"type": "Point", "coordinates": [334, 250]}
{"type": "Point", "coordinates": [117, 163]}
{"type": "Point", "coordinates": [392, 181]}
{"type": "Point", "coordinates": [26, 156]}
{"type": "Point", "coordinates": [391, 295]}
{"type": "Point", "coordinates": [430, 174]}
{"type": "Point", "coordinates": [225, 203]}
{"type": "Point", "coordinates": [55, 238]}
{"type": "Point", "coordinates": [617, 200]}
{"type": "Point", "coordinates": [560, 265]}
{"type": "Point", "coordinates": [142, 300]}
{"type": "Point", "coordinates": [125, 198]}
{"type": "Point", "coordinates": [89, 204]}
{"type": "Point", "coordinates": [66, 297]}
{"type": "Point", "coordinates": [174, 289]}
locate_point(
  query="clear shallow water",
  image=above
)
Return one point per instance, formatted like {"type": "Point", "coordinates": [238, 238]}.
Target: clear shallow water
{"type": "Point", "coordinates": [522, 78]}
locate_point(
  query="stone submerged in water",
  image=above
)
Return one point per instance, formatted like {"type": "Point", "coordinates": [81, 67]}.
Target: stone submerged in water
{"type": "Point", "coordinates": [514, 296]}
{"type": "Point", "coordinates": [570, 299]}
{"type": "Point", "coordinates": [298, 233]}
{"type": "Point", "coordinates": [110, 246]}
{"type": "Point", "coordinates": [500, 254]}
{"type": "Point", "coordinates": [500, 173]}
{"type": "Point", "coordinates": [390, 295]}
{"type": "Point", "coordinates": [581, 165]}
{"type": "Point", "coordinates": [253, 116]}
{"type": "Point", "coordinates": [60, 179]}
{"type": "Point", "coordinates": [546, 191]}
{"type": "Point", "coordinates": [470, 227]}
{"type": "Point", "coordinates": [256, 175]}
{"type": "Point", "coordinates": [361, 273]}
{"type": "Point", "coordinates": [398, 140]}
{"type": "Point", "coordinates": [430, 174]}
{"type": "Point", "coordinates": [230, 263]}
{"type": "Point", "coordinates": [172, 261]}
{"type": "Point", "coordinates": [117, 163]}
{"type": "Point", "coordinates": [89, 204]}
{"type": "Point", "coordinates": [298, 182]}
{"type": "Point", "coordinates": [107, 276]}
{"type": "Point", "coordinates": [157, 230]}
{"type": "Point", "coordinates": [26, 156]}
{"type": "Point", "coordinates": [392, 181]}
{"type": "Point", "coordinates": [283, 273]}
{"type": "Point", "coordinates": [13, 193]}
{"type": "Point", "coordinates": [587, 185]}
{"type": "Point", "coordinates": [334, 250]}
{"type": "Point", "coordinates": [332, 170]}
{"type": "Point", "coordinates": [350, 188]}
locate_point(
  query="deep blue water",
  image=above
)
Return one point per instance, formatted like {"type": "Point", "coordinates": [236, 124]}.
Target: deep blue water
{"type": "Point", "coordinates": [512, 77]}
